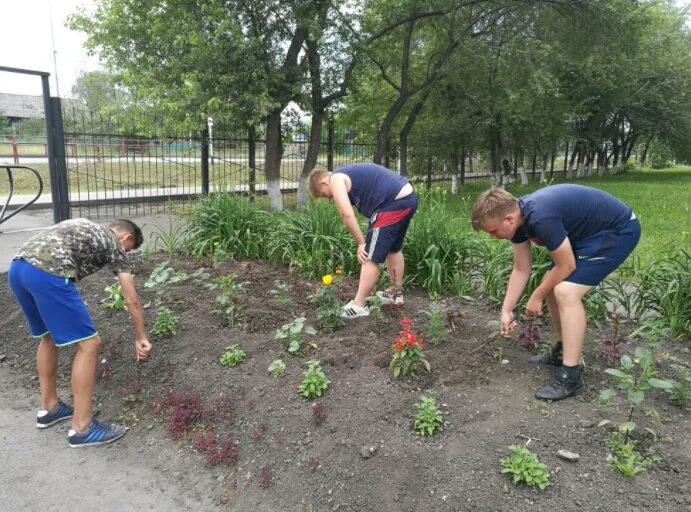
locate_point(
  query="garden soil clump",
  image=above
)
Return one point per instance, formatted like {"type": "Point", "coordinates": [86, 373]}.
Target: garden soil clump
{"type": "Point", "coordinates": [241, 439]}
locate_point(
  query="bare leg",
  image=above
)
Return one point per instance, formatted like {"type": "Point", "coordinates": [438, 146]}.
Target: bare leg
{"type": "Point", "coordinates": [553, 308]}
{"type": "Point", "coordinates": [573, 321]}
{"type": "Point", "coordinates": [369, 275]}
{"type": "Point", "coordinates": [84, 380]}
{"type": "Point", "coordinates": [47, 366]}
{"type": "Point", "coordinates": [395, 265]}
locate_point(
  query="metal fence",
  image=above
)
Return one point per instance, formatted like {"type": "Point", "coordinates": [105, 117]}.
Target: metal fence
{"type": "Point", "coordinates": [111, 174]}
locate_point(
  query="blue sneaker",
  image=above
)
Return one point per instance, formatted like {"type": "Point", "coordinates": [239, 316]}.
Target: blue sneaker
{"type": "Point", "coordinates": [50, 418]}
{"type": "Point", "coordinates": [97, 433]}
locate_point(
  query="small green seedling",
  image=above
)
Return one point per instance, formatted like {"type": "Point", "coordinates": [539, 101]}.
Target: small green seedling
{"type": "Point", "coordinates": [437, 331]}
{"type": "Point", "coordinates": [429, 418]}
{"type": "Point", "coordinates": [281, 292]}
{"type": "Point", "coordinates": [232, 356]}
{"type": "Point", "coordinates": [277, 368]}
{"type": "Point", "coordinates": [524, 467]}
{"type": "Point", "coordinates": [163, 275]}
{"type": "Point", "coordinates": [292, 333]}
{"type": "Point", "coordinates": [627, 459]}
{"type": "Point", "coordinates": [315, 381]}
{"type": "Point", "coordinates": [634, 378]}
{"type": "Point", "coordinates": [165, 323]}
{"type": "Point", "coordinates": [115, 299]}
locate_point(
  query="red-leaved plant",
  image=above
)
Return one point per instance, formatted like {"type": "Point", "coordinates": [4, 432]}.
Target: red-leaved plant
{"type": "Point", "coordinates": [408, 356]}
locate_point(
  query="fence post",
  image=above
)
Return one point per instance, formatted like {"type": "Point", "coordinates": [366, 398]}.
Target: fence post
{"type": "Point", "coordinates": [252, 155]}
{"type": "Point", "coordinates": [429, 167]}
{"type": "Point", "coordinates": [60, 159]}
{"type": "Point", "coordinates": [15, 151]}
{"type": "Point", "coordinates": [205, 162]}
{"type": "Point", "coordinates": [330, 146]}
{"type": "Point", "coordinates": [55, 179]}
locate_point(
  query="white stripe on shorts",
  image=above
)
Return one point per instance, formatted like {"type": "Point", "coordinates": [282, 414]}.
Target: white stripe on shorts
{"type": "Point", "coordinates": [373, 243]}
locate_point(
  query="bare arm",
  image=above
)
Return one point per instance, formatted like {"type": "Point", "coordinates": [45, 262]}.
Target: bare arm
{"type": "Point", "coordinates": [142, 346]}
{"type": "Point", "coordinates": [522, 266]}
{"type": "Point", "coordinates": [339, 192]}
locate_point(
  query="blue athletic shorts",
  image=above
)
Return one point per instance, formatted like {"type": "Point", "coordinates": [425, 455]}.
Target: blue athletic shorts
{"type": "Point", "coordinates": [599, 255]}
{"type": "Point", "coordinates": [51, 304]}
{"type": "Point", "coordinates": [388, 226]}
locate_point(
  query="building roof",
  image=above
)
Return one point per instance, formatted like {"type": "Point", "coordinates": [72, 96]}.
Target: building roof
{"type": "Point", "coordinates": [24, 106]}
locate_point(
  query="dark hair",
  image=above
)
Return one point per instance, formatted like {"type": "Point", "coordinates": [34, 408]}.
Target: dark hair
{"type": "Point", "coordinates": [131, 228]}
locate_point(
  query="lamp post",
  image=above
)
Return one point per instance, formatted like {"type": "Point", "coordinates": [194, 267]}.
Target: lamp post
{"type": "Point", "coordinates": [210, 123]}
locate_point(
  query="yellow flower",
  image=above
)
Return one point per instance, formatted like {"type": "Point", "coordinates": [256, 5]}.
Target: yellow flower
{"type": "Point", "coordinates": [338, 271]}
{"type": "Point", "coordinates": [327, 279]}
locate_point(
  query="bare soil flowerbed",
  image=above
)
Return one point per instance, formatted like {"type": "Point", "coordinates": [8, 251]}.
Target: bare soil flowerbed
{"type": "Point", "coordinates": [249, 440]}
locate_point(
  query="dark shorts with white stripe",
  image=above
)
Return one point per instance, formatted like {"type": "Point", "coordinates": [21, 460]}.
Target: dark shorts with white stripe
{"type": "Point", "coordinates": [388, 226]}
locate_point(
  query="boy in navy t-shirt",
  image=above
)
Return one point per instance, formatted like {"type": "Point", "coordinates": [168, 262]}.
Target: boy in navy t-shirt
{"type": "Point", "coordinates": [588, 234]}
{"type": "Point", "coordinates": [388, 201]}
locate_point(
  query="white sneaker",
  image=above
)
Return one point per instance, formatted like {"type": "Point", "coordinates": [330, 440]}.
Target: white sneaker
{"type": "Point", "coordinates": [388, 297]}
{"type": "Point", "coordinates": [352, 310]}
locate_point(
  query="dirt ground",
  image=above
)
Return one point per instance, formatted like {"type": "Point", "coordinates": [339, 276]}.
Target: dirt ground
{"type": "Point", "coordinates": [359, 452]}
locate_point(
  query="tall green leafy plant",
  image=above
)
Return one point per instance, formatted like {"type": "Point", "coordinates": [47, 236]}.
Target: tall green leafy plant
{"type": "Point", "coordinates": [313, 240]}
{"type": "Point", "coordinates": [440, 256]}
{"type": "Point", "coordinates": [230, 225]}
{"type": "Point", "coordinates": [665, 288]}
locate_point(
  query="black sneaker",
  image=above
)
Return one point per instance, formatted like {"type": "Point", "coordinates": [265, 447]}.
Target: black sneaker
{"type": "Point", "coordinates": [554, 357]}
{"type": "Point", "coordinates": [561, 387]}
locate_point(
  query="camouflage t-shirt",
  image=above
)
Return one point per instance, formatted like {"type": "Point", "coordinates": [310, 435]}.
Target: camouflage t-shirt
{"type": "Point", "coordinates": [75, 248]}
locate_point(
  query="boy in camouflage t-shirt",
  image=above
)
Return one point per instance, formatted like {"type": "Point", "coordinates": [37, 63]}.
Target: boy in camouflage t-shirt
{"type": "Point", "coordinates": [42, 277]}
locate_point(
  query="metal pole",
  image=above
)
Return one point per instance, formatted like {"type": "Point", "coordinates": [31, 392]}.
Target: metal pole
{"type": "Point", "coordinates": [52, 165]}
{"type": "Point", "coordinates": [60, 160]}
{"type": "Point", "coordinates": [205, 162]}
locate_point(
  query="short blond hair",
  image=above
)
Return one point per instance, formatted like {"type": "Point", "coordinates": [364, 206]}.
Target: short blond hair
{"type": "Point", "coordinates": [314, 178]}
{"type": "Point", "coordinates": [491, 204]}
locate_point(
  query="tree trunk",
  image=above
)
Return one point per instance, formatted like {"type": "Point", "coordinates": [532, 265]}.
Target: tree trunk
{"type": "Point", "coordinates": [311, 157]}
{"type": "Point", "coordinates": [454, 171]}
{"type": "Point", "coordinates": [572, 160]}
{"type": "Point", "coordinates": [551, 163]}
{"type": "Point", "coordinates": [272, 160]}
{"type": "Point", "coordinates": [644, 153]}
{"type": "Point", "coordinates": [405, 132]}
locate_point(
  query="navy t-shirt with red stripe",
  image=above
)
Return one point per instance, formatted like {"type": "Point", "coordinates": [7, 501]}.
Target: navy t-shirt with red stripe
{"type": "Point", "coordinates": [372, 186]}
{"type": "Point", "coordinates": [555, 212]}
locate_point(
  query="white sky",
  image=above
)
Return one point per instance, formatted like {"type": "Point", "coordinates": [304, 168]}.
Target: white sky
{"type": "Point", "coordinates": [26, 43]}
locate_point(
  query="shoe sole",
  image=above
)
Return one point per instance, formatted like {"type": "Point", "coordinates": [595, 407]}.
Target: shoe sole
{"type": "Point", "coordinates": [573, 393]}
{"type": "Point", "coordinates": [46, 425]}
{"type": "Point", "coordinates": [352, 317]}
{"type": "Point", "coordinates": [99, 443]}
